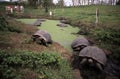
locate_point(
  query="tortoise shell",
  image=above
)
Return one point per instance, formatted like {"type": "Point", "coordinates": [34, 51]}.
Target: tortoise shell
{"type": "Point", "coordinates": [80, 41]}
{"type": "Point", "coordinates": [94, 53]}
{"type": "Point", "coordinates": [43, 34]}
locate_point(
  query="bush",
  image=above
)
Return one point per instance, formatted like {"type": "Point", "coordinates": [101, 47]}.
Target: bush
{"type": "Point", "coordinates": [107, 35]}
{"type": "Point", "coordinates": [44, 65]}
{"type": "Point", "coordinates": [7, 26]}
{"type": "Point", "coordinates": [109, 38]}
{"type": "Point", "coordinates": [3, 23]}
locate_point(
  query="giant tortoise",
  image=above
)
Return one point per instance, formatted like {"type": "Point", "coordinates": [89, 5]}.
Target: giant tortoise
{"type": "Point", "coordinates": [93, 55]}
{"type": "Point", "coordinates": [42, 37]}
{"type": "Point", "coordinates": [62, 25]}
{"type": "Point", "coordinates": [37, 22]}
{"type": "Point", "coordinates": [79, 43]}
{"type": "Point", "coordinates": [42, 20]}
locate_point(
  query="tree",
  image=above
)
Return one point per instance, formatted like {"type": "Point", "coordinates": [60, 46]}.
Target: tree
{"type": "Point", "coordinates": [92, 1]}
{"type": "Point", "coordinates": [73, 2]}
{"type": "Point", "coordinates": [88, 2]}
{"type": "Point", "coordinates": [60, 3]}
{"type": "Point", "coordinates": [110, 2]}
{"type": "Point", "coordinates": [10, 0]}
{"type": "Point", "coordinates": [33, 3]}
{"type": "Point", "coordinates": [83, 2]}
{"type": "Point", "coordinates": [79, 2]}
{"type": "Point", "coordinates": [42, 3]}
{"type": "Point", "coordinates": [118, 3]}
{"type": "Point", "coordinates": [46, 4]}
{"type": "Point", "coordinates": [76, 2]}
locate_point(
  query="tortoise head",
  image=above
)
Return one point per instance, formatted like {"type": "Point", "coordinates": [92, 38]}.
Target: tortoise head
{"type": "Point", "coordinates": [79, 48]}
{"type": "Point", "coordinates": [82, 46]}
{"type": "Point", "coordinates": [43, 40]}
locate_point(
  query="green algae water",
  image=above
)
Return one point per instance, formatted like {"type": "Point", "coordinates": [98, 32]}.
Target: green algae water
{"type": "Point", "coordinates": [62, 35]}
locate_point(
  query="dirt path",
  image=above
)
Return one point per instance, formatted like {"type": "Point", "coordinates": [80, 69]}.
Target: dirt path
{"type": "Point", "coordinates": [76, 74]}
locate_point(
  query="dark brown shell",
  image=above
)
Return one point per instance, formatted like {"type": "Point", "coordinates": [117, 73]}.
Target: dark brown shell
{"type": "Point", "coordinates": [40, 32]}
{"type": "Point", "coordinates": [94, 53]}
{"type": "Point", "coordinates": [80, 41]}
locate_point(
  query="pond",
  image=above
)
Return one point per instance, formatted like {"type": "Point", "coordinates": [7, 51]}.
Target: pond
{"type": "Point", "coordinates": [62, 35]}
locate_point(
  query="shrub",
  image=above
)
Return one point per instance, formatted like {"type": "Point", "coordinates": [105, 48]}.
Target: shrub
{"type": "Point", "coordinates": [44, 65]}
{"type": "Point", "coordinates": [3, 23]}
{"type": "Point", "coordinates": [109, 38]}
{"type": "Point", "coordinates": [107, 35]}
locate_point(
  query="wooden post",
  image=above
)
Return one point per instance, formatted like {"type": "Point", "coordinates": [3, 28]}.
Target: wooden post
{"type": "Point", "coordinates": [50, 13]}
{"type": "Point", "coordinates": [97, 16]}
{"type": "Point", "coordinates": [62, 6]}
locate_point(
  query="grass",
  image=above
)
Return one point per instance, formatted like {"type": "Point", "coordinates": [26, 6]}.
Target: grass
{"type": "Point", "coordinates": [27, 21]}
{"type": "Point", "coordinates": [87, 13]}
{"type": "Point", "coordinates": [61, 35]}
{"type": "Point", "coordinates": [108, 15]}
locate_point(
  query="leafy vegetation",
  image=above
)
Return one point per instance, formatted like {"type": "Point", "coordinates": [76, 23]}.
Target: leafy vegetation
{"type": "Point", "coordinates": [108, 35]}
{"type": "Point", "coordinates": [5, 26]}
{"type": "Point", "coordinates": [108, 38]}
{"type": "Point", "coordinates": [3, 23]}
{"type": "Point", "coordinates": [44, 65]}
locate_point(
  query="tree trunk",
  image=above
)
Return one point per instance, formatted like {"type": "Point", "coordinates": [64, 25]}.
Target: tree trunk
{"type": "Point", "coordinates": [110, 2]}
{"type": "Point", "coordinates": [73, 3]}
{"type": "Point", "coordinates": [79, 2]}
{"type": "Point", "coordinates": [92, 1]}
{"type": "Point", "coordinates": [62, 6]}
{"type": "Point", "coordinates": [118, 3]}
{"type": "Point", "coordinates": [88, 2]}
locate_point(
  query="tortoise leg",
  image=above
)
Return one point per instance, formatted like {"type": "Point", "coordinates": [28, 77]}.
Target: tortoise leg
{"type": "Point", "coordinates": [99, 66]}
{"type": "Point", "coordinates": [33, 38]}
{"type": "Point", "coordinates": [44, 42]}
{"type": "Point", "coordinates": [83, 60]}
{"type": "Point", "coordinates": [38, 40]}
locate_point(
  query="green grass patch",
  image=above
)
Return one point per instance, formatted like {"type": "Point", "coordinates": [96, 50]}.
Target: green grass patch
{"type": "Point", "coordinates": [109, 15]}
{"type": "Point", "coordinates": [27, 21]}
